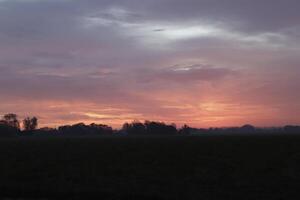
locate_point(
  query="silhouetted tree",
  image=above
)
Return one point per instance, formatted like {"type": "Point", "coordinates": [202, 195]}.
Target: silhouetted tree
{"type": "Point", "coordinates": [100, 129]}
{"type": "Point", "coordinates": [30, 124]}
{"type": "Point", "coordinates": [159, 128]}
{"type": "Point", "coordinates": [76, 129]}
{"type": "Point", "coordinates": [134, 128]}
{"type": "Point", "coordinates": [185, 130]}
{"type": "Point", "coordinates": [125, 126]}
{"type": "Point", "coordinates": [11, 120]}
{"type": "Point", "coordinates": [82, 129]}
{"type": "Point", "coordinates": [247, 129]}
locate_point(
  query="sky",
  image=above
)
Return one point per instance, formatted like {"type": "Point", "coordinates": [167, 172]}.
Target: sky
{"type": "Point", "coordinates": [204, 63]}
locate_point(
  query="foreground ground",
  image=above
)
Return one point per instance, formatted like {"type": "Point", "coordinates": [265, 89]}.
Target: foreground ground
{"type": "Point", "coordinates": [204, 167]}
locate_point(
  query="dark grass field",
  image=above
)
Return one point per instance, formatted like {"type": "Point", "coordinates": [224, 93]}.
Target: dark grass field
{"type": "Point", "coordinates": [177, 167]}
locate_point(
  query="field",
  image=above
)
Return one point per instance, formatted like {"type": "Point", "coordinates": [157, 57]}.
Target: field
{"type": "Point", "coordinates": [177, 167]}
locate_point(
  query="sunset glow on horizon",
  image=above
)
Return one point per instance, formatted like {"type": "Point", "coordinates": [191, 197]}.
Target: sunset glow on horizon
{"type": "Point", "coordinates": [196, 62]}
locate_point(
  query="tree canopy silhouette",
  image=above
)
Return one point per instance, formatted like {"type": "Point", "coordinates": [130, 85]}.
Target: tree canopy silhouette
{"type": "Point", "coordinates": [11, 120]}
{"type": "Point", "coordinates": [30, 124]}
{"type": "Point", "coordinates": [149, 128]}
{"type": "Point", "coordinates": [10, 126]}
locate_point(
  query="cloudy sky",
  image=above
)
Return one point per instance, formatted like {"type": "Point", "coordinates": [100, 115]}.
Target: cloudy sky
{"type": "Point", "coordinates": [201, 62]}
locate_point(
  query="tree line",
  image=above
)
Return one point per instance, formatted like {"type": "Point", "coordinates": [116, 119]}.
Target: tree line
{"type": "Point", "coordinates": [10, 125]}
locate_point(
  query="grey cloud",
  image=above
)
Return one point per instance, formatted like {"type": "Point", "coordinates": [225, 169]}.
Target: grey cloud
{"type": "Point", "coordinates": [249, 16]}
{"type": "Point", "coordinates": [50, 51]}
